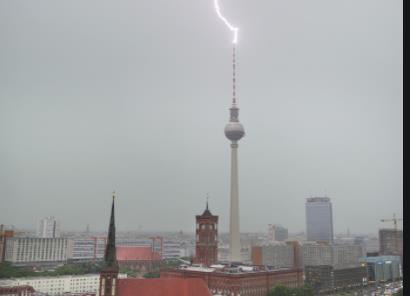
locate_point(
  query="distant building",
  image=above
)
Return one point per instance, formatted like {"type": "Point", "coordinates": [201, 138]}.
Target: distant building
{"type": "Point", "coordinates": [382, 268]}
{"type": "Point", "coordinates": [206, 238]}
{"type": "Point", "coordinates": [277, 233]}
{"type": "Point", "coordinates": [4, 235]}
{"type": "Point", "coordinates": [31, 251]}
{"type": "Point", "coordinates": [88, 248]}
{"type": "Point", "coordinates": [48, 227]}
{"type": "Point", "coordinates": [141, 258]}
{"type": "Point", "coordinates": [276, 255]}
{"type": "Point", "coordinates": [57, 285]}
{"type": "Point", "coordinates": [360, 240]}
{"type": "Point", "coordinates": [19, 291]}
{"type": "Point", "coordinates": [319, 277]}
{"type": "Point", "coordinates": [324, 278]}
{"type": "Point", "coordinates": [111, 285]}
{"type": "Point", "coordinates": [319, 219]}
{"type": "Point", "coordinates": [337, 256]}
{"type": "Point", "coordinates": [171, 250]}
{"type": "Point", "coordinates": [239, 280]}
{"type": "Point", "coordinates": [391, 242]}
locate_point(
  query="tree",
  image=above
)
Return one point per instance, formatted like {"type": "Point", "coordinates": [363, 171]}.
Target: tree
{"type": "Point", "coordinates": [280, 290]}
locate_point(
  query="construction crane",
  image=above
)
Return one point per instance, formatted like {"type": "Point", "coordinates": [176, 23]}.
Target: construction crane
{"type": "Point", "coordinates": [394, 220]}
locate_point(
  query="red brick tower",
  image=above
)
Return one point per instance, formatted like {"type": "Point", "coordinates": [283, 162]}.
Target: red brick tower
{"type": "Point", "coordinates": [109, 273]}
{"type": "Point", "coordinates": [206, 238]}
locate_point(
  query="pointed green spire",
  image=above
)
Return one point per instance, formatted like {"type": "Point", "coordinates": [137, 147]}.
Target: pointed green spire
{"type": "Point", "coordinates": [110, 257]}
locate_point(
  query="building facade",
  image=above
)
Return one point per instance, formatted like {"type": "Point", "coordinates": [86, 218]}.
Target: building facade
{"type": "Point", "coordinates": [48, 227]}
{"type": "Point", "coordinates": [391, 242]}
{"type": "Point", "coordinates": [206, 247]}
{"type": "Point", "coordinates": [5, 234]}
{"type": "Point", "coordinates": [57, 285]}
{"type": "Point", "coordinates": [252, 283]}
{"type": "Point", "coordinates": [276, 255]}
{"type": "Point", "coordinates": [28, 251]}
{"type": "Point", "coordinates": [88, 248]}
{"type": "Point", "coordinates": [141, 258]}
{"type": "Point", "coordinates": [324, 278]}
{"type": "Point", "coordinates": [382, 268]}
{"type": "Point", "coordinates": [337, 256]}
{"type": "Point", "coordinates": [277, 233]}
{"type": "Point", "coordinates": [319, 219]}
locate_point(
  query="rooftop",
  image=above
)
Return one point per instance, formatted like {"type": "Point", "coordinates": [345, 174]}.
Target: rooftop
{"type": "Point", "coordinates": [139, 253]}
{"type": "Point", "coordinates": [163, 287]}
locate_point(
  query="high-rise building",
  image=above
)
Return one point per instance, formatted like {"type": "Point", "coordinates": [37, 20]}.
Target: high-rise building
{"type": "Point", "coordinates": [234, 131]}
{"type": "Point", "coordinates": [391, 242]}
{"type": "Point", "coordinates": [206, 238]}
{"type": "Point", "coordinates": [319, 219]}
{"type": "Point", "coordinates": [48, 227]}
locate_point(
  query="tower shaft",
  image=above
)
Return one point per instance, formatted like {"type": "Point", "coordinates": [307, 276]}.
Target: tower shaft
{"type": "Point", "coordinates": [234, 234]}
{"type": "Point", "coordinates": [234, 131]}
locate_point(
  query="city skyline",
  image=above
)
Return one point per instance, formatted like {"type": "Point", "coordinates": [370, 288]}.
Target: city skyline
{"type": "Point", "coordinates": [100, 104]}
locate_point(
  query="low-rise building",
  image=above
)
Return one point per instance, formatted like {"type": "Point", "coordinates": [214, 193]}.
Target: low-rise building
{"type": "Point", "coordinates": [88, 248]}
{"type": "Point", "coordinates": [31, 251]}
{"type": "Point", "coordinates": [324, 278]}
{"type": "Point", "coordinates": [382, 268]}
{"type": "Point", "coordinates": [238, 280]}
{"type": "Point", "coordinates": [58, 285]}
{"type": "Point", "coordinates": [275, 255]}
{"type": "Point", "coordinates": [338, 256]}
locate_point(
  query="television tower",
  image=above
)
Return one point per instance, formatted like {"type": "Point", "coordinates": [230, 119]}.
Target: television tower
{"type": "Point", "coordinates": [234, 131]}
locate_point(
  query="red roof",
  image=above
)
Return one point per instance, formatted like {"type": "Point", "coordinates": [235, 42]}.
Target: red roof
{"type": "Point", "coordinates": [163, 287]}
{"type": "Point", "coordinates": [141, 253]}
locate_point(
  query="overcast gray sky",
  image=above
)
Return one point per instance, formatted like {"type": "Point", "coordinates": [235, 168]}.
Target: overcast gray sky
{"type": "Point", "coordinates": [134, 96]}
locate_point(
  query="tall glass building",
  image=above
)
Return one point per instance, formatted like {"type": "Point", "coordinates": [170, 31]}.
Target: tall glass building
{"type": "Point", "coordinates": [319, 219]}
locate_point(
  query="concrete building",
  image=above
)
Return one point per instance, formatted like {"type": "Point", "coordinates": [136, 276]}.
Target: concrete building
{"type": "Point", "coordinates": [88, 248]}
{"type": "Point", "coordinates": [171, 250]}
{"type": "Point", "coordinates": [48, 227]}
{"type": "Point", "coordinates": [5, 234]}
{"type": "Point", "coordinates": [391, 242]}
{"type": "Point", "coordinates": [324, 278]}
{"type": "Point", "coordinates": [277, 233]}
{"type": "Point", "coordinates": [319, 219]}
{"type": "Point", "coordinates": [31, 251]}
{"type": "Point", "coordinates": [276, 255]}
{"type": "Point", "coordinates": [337, 256]}
{"type": "Point", "coordinates": [57, 285]}
{"type": "Point", "coordinates": [382, 268]}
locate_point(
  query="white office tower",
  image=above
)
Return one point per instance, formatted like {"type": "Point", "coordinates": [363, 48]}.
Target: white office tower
{"type": "Point", "coordinates": [48, 227]}
{"type": "Point", "coordinates": [234, 131]}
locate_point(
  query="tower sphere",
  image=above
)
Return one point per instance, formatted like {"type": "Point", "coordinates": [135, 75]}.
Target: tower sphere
{"type": "Point", "coordinates": [234, 131]}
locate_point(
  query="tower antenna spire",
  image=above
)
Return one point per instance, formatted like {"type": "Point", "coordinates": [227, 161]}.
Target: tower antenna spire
{"type": "Point", "coordinates": [233, 74]}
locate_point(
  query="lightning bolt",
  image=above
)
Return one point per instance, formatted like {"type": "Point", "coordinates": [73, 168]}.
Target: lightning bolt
{"type": "Point", "coordinates": [227, 23]}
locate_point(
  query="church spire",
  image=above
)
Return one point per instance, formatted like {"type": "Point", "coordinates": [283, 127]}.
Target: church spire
{"type": "Point", "coordinates": [110, 257]}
